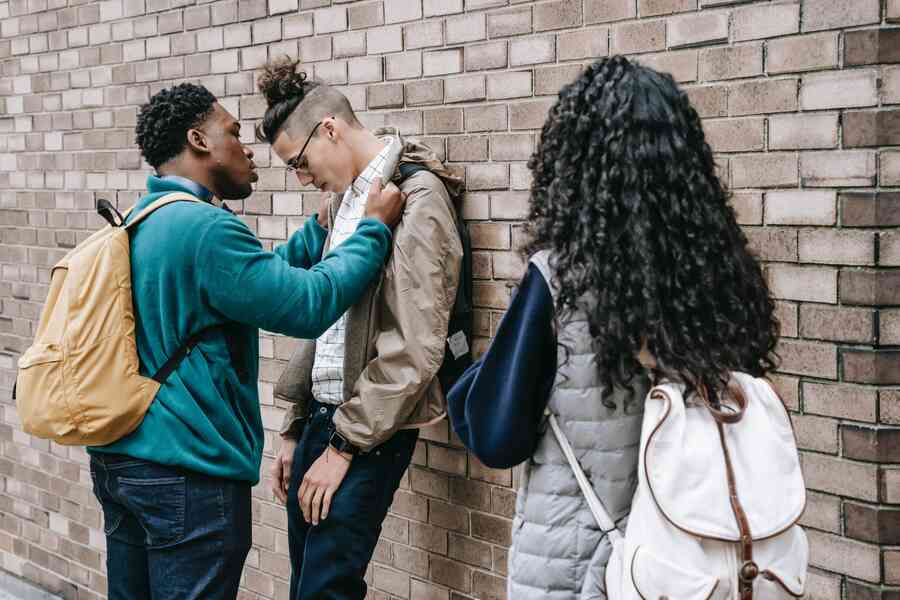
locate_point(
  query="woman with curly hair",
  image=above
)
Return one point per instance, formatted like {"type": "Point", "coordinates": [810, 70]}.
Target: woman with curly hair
{"type": "Point", "coordinates": [638, 272]}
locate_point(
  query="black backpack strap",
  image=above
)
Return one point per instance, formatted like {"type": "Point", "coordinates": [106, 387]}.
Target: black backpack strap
{"type": "Point", "coordinates": [458, 347]}
{"type": "Point", "coordinates": [170, 365]}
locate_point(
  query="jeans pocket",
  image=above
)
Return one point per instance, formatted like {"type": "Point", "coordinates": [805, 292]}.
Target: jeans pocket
{"type": "Point", "coordinates": [158, 504]}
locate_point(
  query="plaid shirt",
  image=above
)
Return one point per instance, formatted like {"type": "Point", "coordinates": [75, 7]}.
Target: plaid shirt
{"type": "Point", "coordinates": [328, 366]}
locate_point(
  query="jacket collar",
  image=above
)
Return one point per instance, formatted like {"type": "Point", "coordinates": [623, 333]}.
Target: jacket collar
{"type": "Point", "coordinates": [176, 183]}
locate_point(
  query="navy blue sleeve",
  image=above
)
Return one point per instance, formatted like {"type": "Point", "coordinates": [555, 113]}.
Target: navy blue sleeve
{"type": "Point", "coordinates": [496, 407]}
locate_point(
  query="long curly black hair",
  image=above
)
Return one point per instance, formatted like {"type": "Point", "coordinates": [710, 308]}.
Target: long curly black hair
{"type": "Point", "coordinates": [163, 121]}
{"type": "Point", "coordinates": [641, 234]}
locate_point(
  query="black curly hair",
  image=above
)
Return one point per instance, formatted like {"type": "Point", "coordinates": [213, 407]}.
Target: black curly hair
{"type": "Point", "coordinates": [626, 198]}
{"type": "Point", "coordinates": [163, 121]}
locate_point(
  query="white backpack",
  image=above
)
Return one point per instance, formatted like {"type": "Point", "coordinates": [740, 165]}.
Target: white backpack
{"type": "Point", "coordinates": [719, 494]}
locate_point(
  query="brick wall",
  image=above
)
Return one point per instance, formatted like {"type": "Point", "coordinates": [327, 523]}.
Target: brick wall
{"type": "Point", "coordinates": [799, 102]}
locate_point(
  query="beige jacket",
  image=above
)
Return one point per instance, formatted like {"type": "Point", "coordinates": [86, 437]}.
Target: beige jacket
{"type": "Point", "coordinates": [396, 333]}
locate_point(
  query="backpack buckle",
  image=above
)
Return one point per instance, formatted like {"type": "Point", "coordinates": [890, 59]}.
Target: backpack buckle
{"type": "Point", "coordinates": [749, 571]}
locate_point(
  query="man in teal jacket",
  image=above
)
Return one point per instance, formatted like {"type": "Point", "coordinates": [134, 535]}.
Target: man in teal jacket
{"type": "Point", "coordinates": [176, 492]}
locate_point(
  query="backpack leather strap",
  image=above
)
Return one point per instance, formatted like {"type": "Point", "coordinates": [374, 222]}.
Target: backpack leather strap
{"type": "Point", "coordinates": [749, 570]}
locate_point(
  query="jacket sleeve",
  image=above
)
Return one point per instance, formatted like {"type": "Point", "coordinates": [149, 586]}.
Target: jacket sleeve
{"type": "Point", "coordinates": [497, 406]}
{"type": "Point", "coordinates": [418, 293]}
{"type": "Point", "coordinates": [304, 248]}
{"type": "Point", "coordinates": [246, 284]}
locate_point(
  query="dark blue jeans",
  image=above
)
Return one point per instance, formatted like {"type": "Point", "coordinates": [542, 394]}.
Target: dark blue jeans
{"type": "Point", "coordinates": [171, 534]}
{"type": "Point", "coordinates": [329, 560]}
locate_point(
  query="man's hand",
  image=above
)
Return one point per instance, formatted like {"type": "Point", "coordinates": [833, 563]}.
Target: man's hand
{"type": "Point", "coordinates": [324, 208]}
{"type": "Point", "coordinates": [385, 204]}
{"type": "Point", "coordinates": [281, 468]}
{"type": "Point", "coordinates": [320, 483]}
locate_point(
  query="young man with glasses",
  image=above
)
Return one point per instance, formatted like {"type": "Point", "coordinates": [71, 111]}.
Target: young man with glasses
{"type": "Point", "coordinates": [360, 392]}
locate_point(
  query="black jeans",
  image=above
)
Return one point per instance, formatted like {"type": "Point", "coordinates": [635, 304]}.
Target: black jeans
{"type": "Point", "coordinates": [329, 560]}
{"type": "Point", "coordinates": [171, 534]}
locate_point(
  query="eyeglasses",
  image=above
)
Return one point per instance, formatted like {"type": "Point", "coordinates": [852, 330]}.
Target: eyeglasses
{"type": "Point", "coordinates": [294, 164]}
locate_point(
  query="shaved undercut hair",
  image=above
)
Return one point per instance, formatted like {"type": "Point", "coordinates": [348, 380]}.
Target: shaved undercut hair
{"type": "Point", "coordinates": [296, 104]}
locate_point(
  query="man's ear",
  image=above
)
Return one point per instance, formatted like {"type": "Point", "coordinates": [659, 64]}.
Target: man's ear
{"type": "Point", "coordinates": [330, 126]}
{"type": "Point", "coordinates": [197, 141]}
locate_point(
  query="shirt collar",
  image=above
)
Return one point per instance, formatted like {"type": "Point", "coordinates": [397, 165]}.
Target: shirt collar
{"type": "Point", "coordinates": [179, 183]}
{"type": "Point", "coordinates": [372, 170]}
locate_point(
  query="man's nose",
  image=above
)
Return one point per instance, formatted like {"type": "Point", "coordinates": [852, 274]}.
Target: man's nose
{"type": "Point", "coordinates": [248, 151]}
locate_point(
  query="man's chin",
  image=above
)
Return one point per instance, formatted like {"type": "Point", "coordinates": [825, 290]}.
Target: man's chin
{"type": "Point", "coordinates": [238, 192]}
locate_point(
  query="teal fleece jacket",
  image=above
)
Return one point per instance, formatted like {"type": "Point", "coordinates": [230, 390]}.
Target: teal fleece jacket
{"type": "Point", "coordinates": [196, 265]}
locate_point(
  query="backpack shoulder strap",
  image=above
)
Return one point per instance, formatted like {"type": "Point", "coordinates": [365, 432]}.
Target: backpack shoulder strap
{"type": "Point", "coordinates": [159, 203]}
{"type": "Point", "coordinates": [601, 516]}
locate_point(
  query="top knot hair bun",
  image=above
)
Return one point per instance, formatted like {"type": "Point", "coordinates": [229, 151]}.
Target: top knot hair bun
{"type": "Point", "coordinates": [281, 81]}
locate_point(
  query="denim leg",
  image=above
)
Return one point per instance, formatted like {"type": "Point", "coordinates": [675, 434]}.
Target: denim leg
{"type": "Point", "coordinates": [126, 556]}
{"type": "Point", "coordinates": [335, 554]}
{"type": "Point", "coordinates": [190, 531]}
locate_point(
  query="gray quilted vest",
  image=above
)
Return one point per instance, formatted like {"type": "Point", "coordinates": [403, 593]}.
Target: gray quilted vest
{"type": "Point", "coordinates": [554, 536]}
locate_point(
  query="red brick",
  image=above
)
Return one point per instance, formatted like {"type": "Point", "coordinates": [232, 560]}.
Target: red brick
{"type": "Point", "coordinates": [558, 14]}
{"type": "Point", "coordinates": [810, 284]}
{"type": "Point", "coordinates": [816, 433]}
{"type": "Point", "coordinates": [889, 249]}
{"type": "Point", "coordinates": [451, 573]}
{"type": "Point", "coordinates": [486, 56]}
{"type": "Point", "coordinates": [513, 84]}
{"type": "Point", "coordinates": [641, 36]}
{"type": "Point", "coordinates": [465, 28]}
{"type": "Point", "coordinates": [604, 11]}
{"type": "Point", "coordinates": [735, 135]}
{"type": "Point", "coordinates": [529, 115]}
{"type": "Point", "coordinates": [840, 476]}
{"type": "Point", "coordinates": [889, 407]}
{"type": "Point", "coordinates": [822, 512]}
{"type": "Point", "coordinates": [889, 327]}
{"type": "Point", "coordinates": [839, 324]}
{"type": "Point", "coordinates": [697, 29]}
{"type": "Point", "coordinates": [423, 35]}
{"type": "Point", "coordinates": [840, 400]}
{"type": "Point", "coordinates": [492, 117]}
{"type": "Point", "coordinates": [748, 207]}
{"type": "Point", "coordinates": [802, 53]}
{"type": "Point", "coordinates": [652, 8]}
{"type": "Point", "coordinates": [872, 444]}
{"type": "Point", "coordinates": [550, 80]}
{"type": "Point", "coordinates": [838, 169]}
{"type": "Point", "coordinates": [843, 247]}
{"type": "Point", "coordinates": [765, 96]}
{"type": "Point", "coordinates": [866, 209]}
{"type": "Point", "coordinates": [800, 207]}
{"type": "Point", "coordinates": [808, 358]}
{"type": "Point", "coordinates": [682, 66]}
{"type": "Point", "coordinates": [803, 131]}
{"type": "Point", "coordinates": [709, 100]}
{"type": "Point", "coordinates": [841, 89]}
{"type": "Point", "coordinates": [870, 288]}
{"type": "Point", "coordinates": [764, 21]}
{"type": "Point", "coordinates": [871, 128]}
{"type": "Point", "coordinates": [771, 244]}
{"type": "Point", "coordinates": [881, 367]}
{"type": "Point", "coordinates": [510, 22]}
{"type": "Point", "coordinates": [834, 553]}
{"type": "Point", "coordinates": [731, 62]}
{"type": "Point", "coordinates": [835, 14]}
{"type": "Point", "coordinates": [764, 170]}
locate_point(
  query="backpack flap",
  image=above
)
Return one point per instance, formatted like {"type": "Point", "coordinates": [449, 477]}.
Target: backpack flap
{"type": "Point", "coordinates": [686, 473]}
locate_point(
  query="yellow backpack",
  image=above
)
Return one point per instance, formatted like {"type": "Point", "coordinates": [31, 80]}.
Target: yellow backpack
{"type": "Point", "coordinates": [79, 383]}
